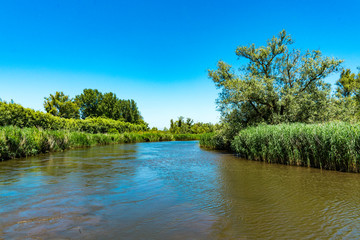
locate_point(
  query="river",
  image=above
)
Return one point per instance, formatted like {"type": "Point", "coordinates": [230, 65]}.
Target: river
{"type": "Point", "coordinates": [172, 190]}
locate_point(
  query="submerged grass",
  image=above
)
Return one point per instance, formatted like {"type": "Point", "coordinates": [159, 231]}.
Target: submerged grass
{"type": "Point", "coordinates": [18, 142]}
{"type": "Point", "coordinates": [333, 146]}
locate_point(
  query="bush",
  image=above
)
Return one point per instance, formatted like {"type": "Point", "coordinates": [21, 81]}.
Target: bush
{"type": "Point", "coordinates": [16, 115]}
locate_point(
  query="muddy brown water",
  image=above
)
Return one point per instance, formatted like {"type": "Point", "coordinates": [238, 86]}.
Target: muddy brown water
{"type": "Point", "coordinates": [172, 190]}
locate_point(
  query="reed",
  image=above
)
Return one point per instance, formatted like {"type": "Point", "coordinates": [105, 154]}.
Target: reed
{"type": "Point", "coordinates": [18, 142]}
{"type": "Point", "coordinates": [333, 146]}
{"type": "Point", "coordinates": [216, 141]}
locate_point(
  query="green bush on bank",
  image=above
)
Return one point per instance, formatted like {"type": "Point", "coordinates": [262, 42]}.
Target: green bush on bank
{"type": "Point", "coordinates": [18, 142]}
{"type": "Point", "coordinates": [333, 146]}
{"type": "Point", "coordinates": [16, 115]}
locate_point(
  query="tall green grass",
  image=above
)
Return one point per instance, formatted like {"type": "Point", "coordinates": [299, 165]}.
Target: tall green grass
{"type": "Point", "coordinates": [18, 142]}
{"type": "Point", "coordinates": [213, 141]}
{"type": "Point", "coordinates": [333, 146]}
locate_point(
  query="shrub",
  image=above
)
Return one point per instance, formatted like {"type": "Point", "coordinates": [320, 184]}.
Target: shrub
{"type": "Point", "coordinates": [16, 115]}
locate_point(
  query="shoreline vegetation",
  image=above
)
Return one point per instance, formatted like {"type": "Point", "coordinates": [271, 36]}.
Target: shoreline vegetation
{"type": "Point", "coordinates": [12, 114]}
{"type": "Point", "coordinates": [16, 142]}
{"type": "Point", "coordinates": [25, 132]}
{"type": "Point", "coordinates": [329, 146]}
{"type": "Point", "coordinates": [277, 107]}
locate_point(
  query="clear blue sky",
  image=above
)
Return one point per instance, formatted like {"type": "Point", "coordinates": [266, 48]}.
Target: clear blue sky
{"type": "Point", "coordinates": [155, 52]}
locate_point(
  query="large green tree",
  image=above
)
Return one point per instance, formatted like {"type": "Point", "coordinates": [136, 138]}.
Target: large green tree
{"type": "Point", "coordinates": [277, 84]}
{"type": "Point", "coordinates": [89, 101]}
{"type": "Point", "coordinates": [61, 105]}
{"type": "Point", "coordinates": [93, 103]}
{"type": "Point", "coordinates": [109, 108]}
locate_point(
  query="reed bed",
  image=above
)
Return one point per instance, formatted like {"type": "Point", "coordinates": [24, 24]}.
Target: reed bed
{"type": "Point", "coordinates": [18, 142]}
{"type": "Point", "coordinates": [333, 146]}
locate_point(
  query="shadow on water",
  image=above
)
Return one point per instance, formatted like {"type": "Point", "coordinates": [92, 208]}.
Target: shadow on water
{"type": "Point", "coordinates": [172, 190]}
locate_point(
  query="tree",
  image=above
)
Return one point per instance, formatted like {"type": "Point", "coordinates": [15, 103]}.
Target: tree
{"type": "Point", "coordinates": [188, 126]}
{"type": "Point", "coordinates": [278, 84]}
{"type": "Point", "coordinates": [95, 104]}
{"type": "Point", "coordinates": [348, 85]}
{"type": "Point", "coordinates": [135, 112]}
{"type": "Point", "coordinates": [61, 105]}
{"type": "Point", "coordinates": [108, 107]}
{"type": "Point", "coordinates": [347, 101]}
{"type": "Point", "coordinates": [89, 102]}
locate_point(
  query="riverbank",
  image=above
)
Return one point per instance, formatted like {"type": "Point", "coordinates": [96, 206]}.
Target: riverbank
{"type": "Point", "coordinates": [18, 142]}
{"type": "Point", "coordinates": [331, 146]}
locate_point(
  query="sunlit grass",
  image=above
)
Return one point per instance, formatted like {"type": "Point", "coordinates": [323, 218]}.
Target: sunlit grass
{"type": "Point", "coordinates": [334, 146]}
{"type": "Point", "coordinates": [21, 142]}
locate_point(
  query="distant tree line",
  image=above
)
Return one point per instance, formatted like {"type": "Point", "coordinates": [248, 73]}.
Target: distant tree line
{"type": "Point", "coordinates": [91, 103]}
{"type": "Point", "coordinates": [188, 126]}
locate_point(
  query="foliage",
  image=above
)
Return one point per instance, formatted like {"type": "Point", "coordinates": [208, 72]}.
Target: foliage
{"type": "Point", "coordinates": [213, 140]}
{"type": "Point", "coordinates": [347, 98]}
{"type": "Point", "coordinates": [129, 111]}
{"type": "Point", "coordinates": [107, 106]}
{"type": "Point", "coordinates": [61, 105]}
{"type": "Point", "coordinates": [333, 146]}
{"type": "Point", "coordinates": [348, 85]}
{"type": "Point", "coordinates": [16, 115]}
{"type": "Point", "coordinates": [89, 101]}
{"type": "Point", "coordinates": [188, 126]}
{"type": "Point", "coordinates": [277, 85]}
{"type": "Point", "coordinates": [96, 104]}
{"type": "Point", "coordinates": [21, 142]}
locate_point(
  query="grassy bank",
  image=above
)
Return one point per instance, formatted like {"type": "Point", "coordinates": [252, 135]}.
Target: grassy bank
{"type": "Point", "coordinates": [18, 142]}
{"type": "Point", "coordinates": [333, 146]}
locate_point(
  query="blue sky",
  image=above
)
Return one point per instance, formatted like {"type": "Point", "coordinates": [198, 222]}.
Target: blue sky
{"type": "Point", "coordinates": [155, 52]}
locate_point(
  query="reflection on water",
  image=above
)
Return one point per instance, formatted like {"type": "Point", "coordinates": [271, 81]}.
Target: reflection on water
{"type": "Point", "coordinates": [172, 190]}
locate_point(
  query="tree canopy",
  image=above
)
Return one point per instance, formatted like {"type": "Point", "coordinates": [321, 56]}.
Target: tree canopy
{"type": "Point", "coordinates": [61, 105]}
{"type": "Point", "coordinates": [188, 126]}
{"type": "Point", "coordinates": [96, 104]}
{"type": "Point", "coordinates": [91, 103]}
{"type": "Point", "coordinates": [278, 84]}
{"type": "Point", "coordinates": [347, 97]}
{"type": "Point", "coordinates": [348, 85]}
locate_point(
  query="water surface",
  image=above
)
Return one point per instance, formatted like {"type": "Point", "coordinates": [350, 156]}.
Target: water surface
{"type": "Point", "coordinates": [172, 190]}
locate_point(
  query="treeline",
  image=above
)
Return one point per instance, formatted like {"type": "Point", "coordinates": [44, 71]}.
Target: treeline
{"type": "Point", "coordinates": [91, 103]}
{"type": "Point", "coordinates": [16, 115]}
{"type": "Point", "coordinates": [188, 126]}
{"type": "Point", "coordinates": [283, 85]}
